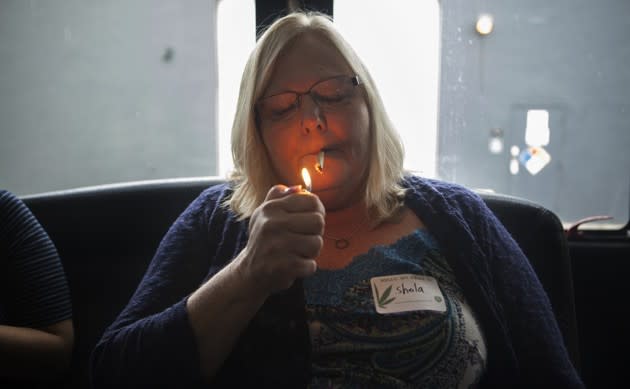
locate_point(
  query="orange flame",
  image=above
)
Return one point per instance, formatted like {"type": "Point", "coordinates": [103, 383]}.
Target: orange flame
{"type": "Point", "coordinates": [307, 179]}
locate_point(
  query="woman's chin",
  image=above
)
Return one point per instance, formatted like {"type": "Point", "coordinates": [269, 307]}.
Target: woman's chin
{"type": "Point", "coordinates": [336, 197]}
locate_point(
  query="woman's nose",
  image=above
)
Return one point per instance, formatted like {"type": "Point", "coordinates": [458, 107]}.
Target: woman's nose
{"type": "Point", "coordinates": [312, 115]}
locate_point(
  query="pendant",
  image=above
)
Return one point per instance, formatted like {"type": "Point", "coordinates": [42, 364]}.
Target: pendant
{"type": "Point", "coordinates": [341, 243]}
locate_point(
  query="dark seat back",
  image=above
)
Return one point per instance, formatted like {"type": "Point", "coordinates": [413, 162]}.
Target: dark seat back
{"type": "Point", "coordinates": [540, 234]}
{"type": "Point", "coordinates": [107, 235]}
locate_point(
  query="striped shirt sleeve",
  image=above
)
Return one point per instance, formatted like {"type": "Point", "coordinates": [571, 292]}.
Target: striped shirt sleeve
{"type": "Point", "coordinates": [33, 287]}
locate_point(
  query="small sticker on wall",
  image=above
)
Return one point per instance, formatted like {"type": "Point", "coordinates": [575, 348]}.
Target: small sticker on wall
{"type": "Point", "coordinates": [537, 128]}
{"type": "Point", "coordinates": [534, 159]}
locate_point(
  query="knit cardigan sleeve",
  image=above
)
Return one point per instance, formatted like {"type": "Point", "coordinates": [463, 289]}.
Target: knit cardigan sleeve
{"type": "Point", "coordinates": [542, 358]}
{"type": "Point", "coordinates": [525, 346]}
{"type": "Point", "coordinates": [151, 343]}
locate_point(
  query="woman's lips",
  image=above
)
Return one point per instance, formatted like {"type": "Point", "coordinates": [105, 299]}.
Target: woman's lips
{"type": "Point", "coordinates": [318, 164]}
{"type": "Point", "coordinates": [311, 162]}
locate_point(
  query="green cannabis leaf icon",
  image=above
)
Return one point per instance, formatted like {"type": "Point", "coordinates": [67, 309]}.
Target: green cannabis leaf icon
{"type": "Point", "coordinates": [383, 300]}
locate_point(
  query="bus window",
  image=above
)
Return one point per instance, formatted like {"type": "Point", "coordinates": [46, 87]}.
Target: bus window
{"type": "Point", "coordinates": [236, 35]}
{"type": "Point", "coordinates": [410, 93]}
{"type": "Point", "coordinates": [525, 107]}
{"type": "Point", "coordinates": [534, 103]}
{"type": "Point", "coordinates": [96, 93]}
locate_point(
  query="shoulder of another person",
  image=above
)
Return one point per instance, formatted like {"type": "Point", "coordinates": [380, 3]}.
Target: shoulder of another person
{"type": "Point", "coordinates": [8, 198]}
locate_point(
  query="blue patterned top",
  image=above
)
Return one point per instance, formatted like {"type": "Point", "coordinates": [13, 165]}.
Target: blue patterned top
{"type": "Point", "coordinates": [354, 346]}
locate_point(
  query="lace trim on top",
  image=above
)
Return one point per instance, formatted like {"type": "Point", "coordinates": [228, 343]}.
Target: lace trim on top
{"type": "Point", "coordinates": [354, 346]}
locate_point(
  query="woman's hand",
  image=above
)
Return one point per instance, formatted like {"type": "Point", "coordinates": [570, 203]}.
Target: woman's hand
{"type": "Point", "coordinates": [285, 237]}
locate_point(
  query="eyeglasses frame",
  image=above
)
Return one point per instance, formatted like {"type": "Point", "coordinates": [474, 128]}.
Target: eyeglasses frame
{"type": "Point", "coordinates": [354, 79]}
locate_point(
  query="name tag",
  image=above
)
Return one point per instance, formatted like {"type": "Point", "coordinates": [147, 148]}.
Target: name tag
{"type": "Point", "coordinates": [407, 292]}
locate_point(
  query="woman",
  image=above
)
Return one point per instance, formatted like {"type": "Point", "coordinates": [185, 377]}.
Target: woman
{"type": "Point", "coordinates": [262, 282]}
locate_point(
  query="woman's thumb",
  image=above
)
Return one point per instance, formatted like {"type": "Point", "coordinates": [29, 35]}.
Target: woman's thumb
{"type": "Point", "coordinates": [279, 191]}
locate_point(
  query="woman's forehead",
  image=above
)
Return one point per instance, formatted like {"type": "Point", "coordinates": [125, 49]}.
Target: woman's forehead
{"type": "Point", "coordinates": [305, 61]}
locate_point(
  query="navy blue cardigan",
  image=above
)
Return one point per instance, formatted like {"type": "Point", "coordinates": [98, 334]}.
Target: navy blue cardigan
{"type": "Point", "coordinates": [151, 343]}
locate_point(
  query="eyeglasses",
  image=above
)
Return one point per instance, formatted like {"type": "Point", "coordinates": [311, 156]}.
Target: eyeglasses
{"type": "Point", "coordinates": [329, 94]}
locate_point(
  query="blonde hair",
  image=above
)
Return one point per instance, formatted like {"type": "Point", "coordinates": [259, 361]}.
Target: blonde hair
{"type": "Point", "coordinates": [252, 176]}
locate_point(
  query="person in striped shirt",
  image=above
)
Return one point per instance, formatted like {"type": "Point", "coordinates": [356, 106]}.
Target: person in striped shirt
{"type": "Point", "coordinates": [36, 330]}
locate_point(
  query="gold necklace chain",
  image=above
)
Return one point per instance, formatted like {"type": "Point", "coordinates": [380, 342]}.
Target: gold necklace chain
{"type": "Point", "coordinates": [342, 243]}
